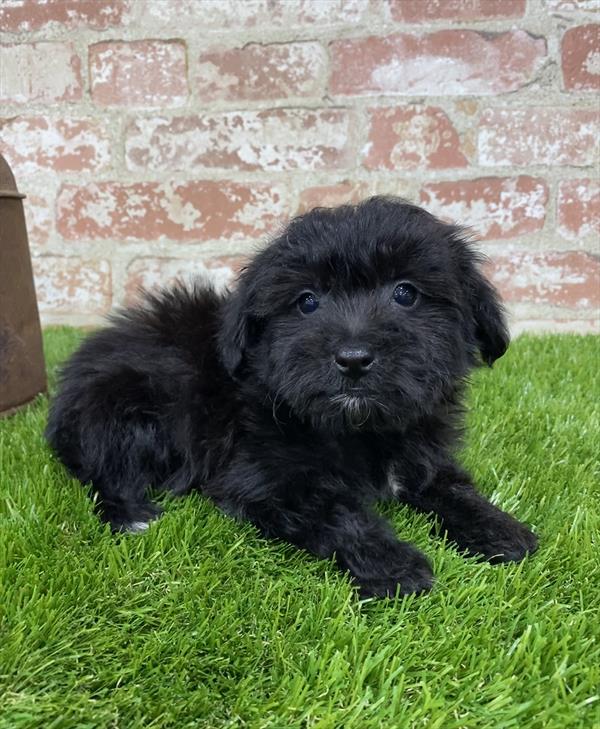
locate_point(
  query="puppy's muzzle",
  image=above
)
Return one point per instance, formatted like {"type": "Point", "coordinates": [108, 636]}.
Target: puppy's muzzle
{"type": "Point", "coordinates": [354, 362]}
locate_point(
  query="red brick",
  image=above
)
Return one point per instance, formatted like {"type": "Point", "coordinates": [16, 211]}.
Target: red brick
{"type": "Point", "coordinates": [39, 206]}
{"type": "Point", "coordinates": [551, 325]}
{"type": "Point", "coordinates": [299, 12]}
{"type": "Point", "coordinates": [538, 136]}
{"type": "Point", "coordinates": [66, 285]}
{"type": "Point", "coordinates": [580, 51]}
{"type": "Point", "coordinates": [18, 16]}
{"type": "Point", "coordinates": [215, 15]}
{"type": "Point", "coordinates": [426, 11]}
{"type": "Point", "coordinates": [181, 15]}
{"type": "Point", "coordinates": [412, 137]}
{"type": "Point", "coordinates": [190, 211]}
{"type": "Point", "coordinates": [579, 209]}
{"type": "Point", "coordinates": [279, 70]}
{"type": "Point", "coordinates": [449, 62]}
{"type": "Point", "coordinates": [39, 143]}
{"type": "Point", "coordinates": [330, 196]}
{"type": "Point", "coordinates": [279, 139]}
{"type": "Point", "coordinates": [569, 6]}
{"type": "Point", "coordinates": [569, 278]}
{"type": "Point", "coordinates": [39, 73]}
{"type": "Point", "coordinates": [493, 207]}
{"type": "Point", "coordinates": [150, 273]}
{"type": "Point", "coordinates": [145, 73]}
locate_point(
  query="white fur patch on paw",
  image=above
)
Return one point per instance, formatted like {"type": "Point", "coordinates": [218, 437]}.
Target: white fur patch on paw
{"type": "Point", "coordinates": [138, 526]}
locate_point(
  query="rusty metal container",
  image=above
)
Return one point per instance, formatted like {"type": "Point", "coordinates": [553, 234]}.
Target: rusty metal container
{"type": "Point", "coordinates": [22, 370]}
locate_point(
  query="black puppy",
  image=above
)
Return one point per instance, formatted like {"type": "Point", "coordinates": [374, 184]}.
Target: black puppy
{"type": "Point", "coordinates": [329, 379]}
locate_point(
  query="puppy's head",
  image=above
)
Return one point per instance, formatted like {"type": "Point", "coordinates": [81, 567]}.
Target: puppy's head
{"type": "Point", "coordinates": [364, 316]}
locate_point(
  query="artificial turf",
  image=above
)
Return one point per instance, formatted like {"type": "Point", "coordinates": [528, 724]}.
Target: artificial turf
{"type": "Point", "coordinates": [201, 623]}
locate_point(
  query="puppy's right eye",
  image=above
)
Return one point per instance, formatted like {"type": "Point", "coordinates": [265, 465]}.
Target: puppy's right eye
{"type": "Point", "coordinates": [308, 302]}
{"type": "Point", "coordinates": [405, 294]}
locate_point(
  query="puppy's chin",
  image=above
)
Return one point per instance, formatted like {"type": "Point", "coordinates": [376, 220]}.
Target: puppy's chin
{"type": "Point", "coordinates": [356, 410]}
{"type": "Point", "coordinates": [346, 412]}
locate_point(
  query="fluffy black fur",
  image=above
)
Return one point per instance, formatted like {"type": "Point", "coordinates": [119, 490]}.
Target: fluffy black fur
{"type": "Point", "coordinates": [299, 418]}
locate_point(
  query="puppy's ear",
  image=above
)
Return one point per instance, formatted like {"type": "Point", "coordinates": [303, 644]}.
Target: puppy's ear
{"type": "Point", "coordinates": [234, 327]}
{"type": "Point", "coordinates": [485, 313]}
{"type": "Point", "coordinates": [491, 330]}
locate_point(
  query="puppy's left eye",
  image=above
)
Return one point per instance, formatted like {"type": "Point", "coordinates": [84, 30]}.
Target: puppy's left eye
{"type": "Point", "coordinates": [308, 302]}
{"type": "Point", "coordinates": [405, 294]}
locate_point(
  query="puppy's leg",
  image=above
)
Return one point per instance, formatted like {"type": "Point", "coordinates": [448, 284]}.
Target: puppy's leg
{"type": "Point", "coordinates": [470, 520]}
{"type": "Point", "coordinates": [326, 525]}
{"type": "Point", "coordinates": [363, 545]}
{"type": "Point", "coordinates": [118, 458]}
{"type": "Point", "coordinates": [120, 471]}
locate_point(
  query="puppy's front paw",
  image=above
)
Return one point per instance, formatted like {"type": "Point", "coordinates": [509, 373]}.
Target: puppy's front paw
{"type": "Point", "coordinates": [511, 545]}
{"type": "Point", "coordinates": [500, 539]}
{"type": "Point", "coordinates": [404, 572]}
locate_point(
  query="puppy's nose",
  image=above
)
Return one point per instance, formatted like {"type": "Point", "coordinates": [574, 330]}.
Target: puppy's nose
{"type": "Point", "coordinates": [354, 362]}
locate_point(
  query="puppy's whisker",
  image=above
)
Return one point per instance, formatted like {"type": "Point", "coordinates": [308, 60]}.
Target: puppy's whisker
{"type": "Point", "coordinates": [274, 404]}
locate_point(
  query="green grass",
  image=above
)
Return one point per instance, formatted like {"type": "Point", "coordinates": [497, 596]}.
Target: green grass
{"type": "Point", "coordinates": [200, 623]}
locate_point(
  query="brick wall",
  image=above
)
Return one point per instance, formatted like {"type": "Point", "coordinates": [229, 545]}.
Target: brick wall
{"type": "Point", "coordinates": [160, 137]}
